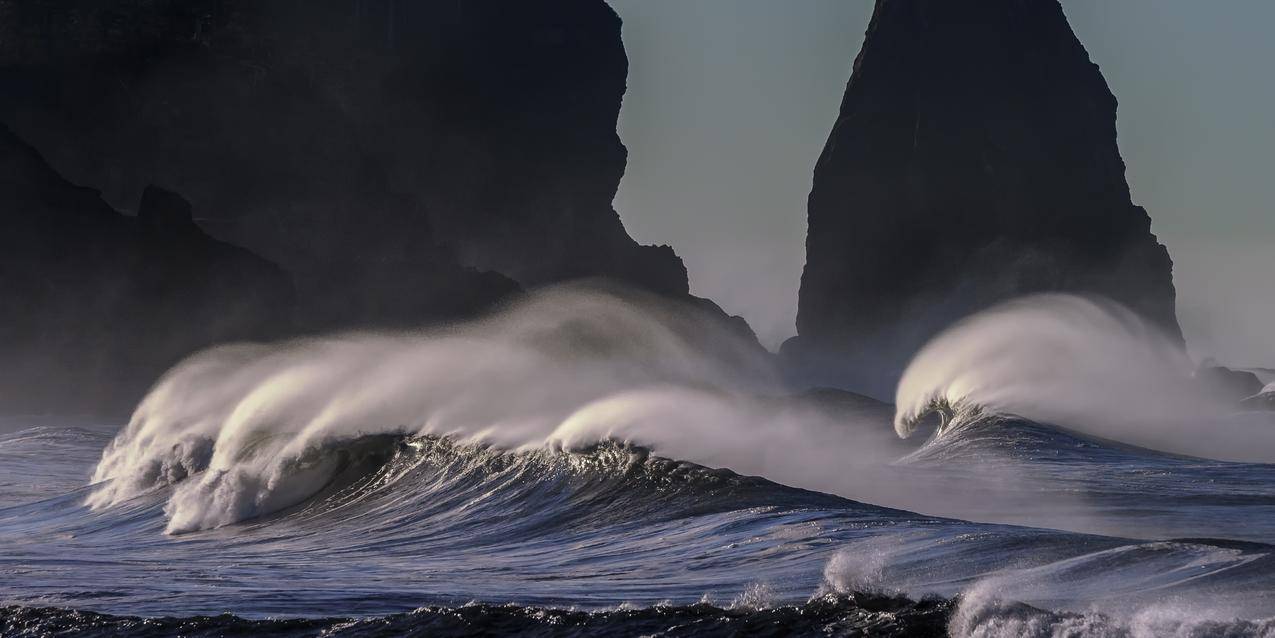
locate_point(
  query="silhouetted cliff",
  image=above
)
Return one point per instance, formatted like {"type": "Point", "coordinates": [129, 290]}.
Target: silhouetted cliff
{"type": "Point", "coordinates": [403, 162]}
{"type": "Point", "coordinates": [974, 159]}
{"type": "Point", "coordinates": [94, 305]}
{"type": "Point", "coordinates": [347, 139]}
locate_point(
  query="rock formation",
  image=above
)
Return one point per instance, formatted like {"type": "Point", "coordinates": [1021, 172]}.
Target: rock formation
{"type": "Point", "coordinates": [403, 162]}
{"type": "Point", "coordinates": [348, 139]}
{"type": "Point", "coordinates": [1263, 401]}
{"type": "Point", "coordinates": [1228, 384]}
{"type": "Point", "coordinates": [974, 159]}
{"type": "Point", "coordinates": [94, 305]}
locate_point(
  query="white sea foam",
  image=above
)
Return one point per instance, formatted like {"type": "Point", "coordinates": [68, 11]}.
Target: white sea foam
{"type": "Point", "coordinates": [984, 613]}
{"type": "Point", "coordinates": [1140, 589]}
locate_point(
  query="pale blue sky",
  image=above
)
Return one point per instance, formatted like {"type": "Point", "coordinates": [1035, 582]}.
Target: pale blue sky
{"type": "Point", "coordinates": [730, 102]}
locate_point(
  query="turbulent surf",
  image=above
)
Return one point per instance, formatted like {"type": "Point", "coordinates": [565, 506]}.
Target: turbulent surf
{"type": "Point", "coordinates": [589, 464]}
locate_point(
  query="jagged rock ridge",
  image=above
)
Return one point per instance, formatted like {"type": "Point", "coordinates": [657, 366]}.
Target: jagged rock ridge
{"type": "Point", "coordinates": [403, 162]}
{"type": "Point", "coordinates": [94, 305]}
{"type": "Point", "coordinates": [974, 159]}
{"type": "Point", "coordinates": [346, 139]}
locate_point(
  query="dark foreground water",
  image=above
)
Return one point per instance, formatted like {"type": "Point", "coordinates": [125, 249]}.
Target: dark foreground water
{"type": "Point", "coordinates": [857, 615]}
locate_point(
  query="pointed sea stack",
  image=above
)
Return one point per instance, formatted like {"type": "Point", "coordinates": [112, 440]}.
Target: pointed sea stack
{"type": "Point", "coordinates": [974, 159]}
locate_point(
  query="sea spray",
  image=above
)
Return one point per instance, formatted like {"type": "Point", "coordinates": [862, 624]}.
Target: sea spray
{"type": "Point", "coordinates": [242, 431]}
{"type": "Point", "coordinates": [1087, 364]}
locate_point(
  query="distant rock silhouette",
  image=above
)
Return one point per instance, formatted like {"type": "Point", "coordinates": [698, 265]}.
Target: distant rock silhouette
{"type": "Point", "coordinates": [974, 159]}
{"type": "Point", "coordinates": [95, 305]}
{"type": "Point", "coordinates": [404, 163]}
{"type": "Point", "coordinates": [348, 139]}
{"type": "Point", "coordinates": [1263, 401]}
{"type": "Point", "coordinates": [1228, 384]}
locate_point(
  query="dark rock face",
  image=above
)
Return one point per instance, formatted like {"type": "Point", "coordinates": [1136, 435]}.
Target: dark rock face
{"type": "Point", "coordinates": [1260, 402]}
{"type": "Point", "coordinates": [94, 305]}
{"type": "Point", "coordinates": [974, 159]}
{"type": "Point", "coordinates": [1232, 385]}
{"type": "Point", "coordinates": [349, 139]}
{"type": "Point", "coordinates": [403, 162]}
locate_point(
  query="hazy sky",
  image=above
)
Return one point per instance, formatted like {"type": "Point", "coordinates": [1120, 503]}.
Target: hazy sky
{"type": "Point", "coordinates": [730, 102]}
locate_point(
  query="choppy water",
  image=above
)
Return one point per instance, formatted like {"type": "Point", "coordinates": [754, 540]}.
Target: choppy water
{"type": "Point", "coordinates": [425, 534]}
{"type": "Point", "coordinates": [273, 502]}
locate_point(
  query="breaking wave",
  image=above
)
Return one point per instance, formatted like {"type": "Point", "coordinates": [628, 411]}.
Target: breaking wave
{"type": "Point", "coordinates": [559, 456]}
{"type": "Point", "coordinates": [1086, 364]}
{"type": "Point", "coordinates": [980, 615]}
{"type": "Point", "coordinates": [1129, 591]}
{"type": "Point", "coordinates": [242, 431]}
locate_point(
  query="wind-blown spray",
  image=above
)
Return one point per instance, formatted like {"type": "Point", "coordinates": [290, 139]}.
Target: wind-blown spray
{"type": "Point", "coordinates": [1087, 364]}
{"type": "Point", "coordinates": [241, 431]}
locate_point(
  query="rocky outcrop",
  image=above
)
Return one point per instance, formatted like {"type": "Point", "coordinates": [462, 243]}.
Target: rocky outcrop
{"type": "Point", "coordinates": [352, 141]}
{"type": "Point", "coordinates": [403, 162]}
{"type": "Point", "coordinates": [974, 159]}
{"type": "Point", "coordinates": [94, 305]}
{"type": "Point", "coordinates": [1245, 388]}
{"type": "Point", "coordinates": [1227, 384]}
{"type": "Point", "coordinates": [1261, 402]}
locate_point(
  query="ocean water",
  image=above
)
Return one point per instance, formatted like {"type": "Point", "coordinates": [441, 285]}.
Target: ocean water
{"type": "Point", "coordinates": [538, 473]}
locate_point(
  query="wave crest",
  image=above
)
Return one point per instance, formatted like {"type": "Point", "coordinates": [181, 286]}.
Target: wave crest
{"type": "Point", "coordinates": [1087, 364]}
{"type": "Point", "coordinates": [249, 418]}
{"type": "Point", "coordinates": [242, 431]}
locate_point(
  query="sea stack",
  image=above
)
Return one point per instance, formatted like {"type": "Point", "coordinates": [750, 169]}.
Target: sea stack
{"type": "Point", "coordinates": [974, 159]}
